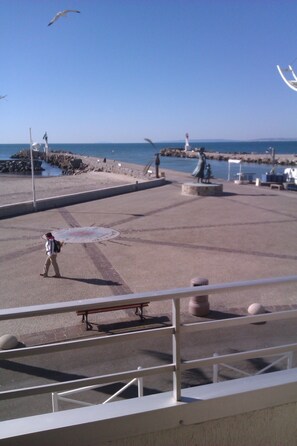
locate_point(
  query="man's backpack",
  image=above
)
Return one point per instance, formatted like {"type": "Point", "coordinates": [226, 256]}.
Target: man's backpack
{"type": "Point", "coordinates": [57, 246]}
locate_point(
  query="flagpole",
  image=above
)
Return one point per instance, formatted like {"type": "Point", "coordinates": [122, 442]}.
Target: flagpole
{"type": "Point", "coordinates": [32, 171]}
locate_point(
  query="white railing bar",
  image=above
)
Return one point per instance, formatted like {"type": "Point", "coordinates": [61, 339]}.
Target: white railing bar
{"type": "Point", "coordinates": [58, 387]}
{"type": "Point", "coordinates": [55, 404]}
{"type": "Point", "coordinates": [185, 328]}
{"type": "Point", "coordinates": [271, 365]}
{"type": "Point", "coordinates": [243, 372]}
{"type": "Point", "coordinates": [215, 370]}
{"type": "Point", "coordinates": [234, 357]}
{"type": "Point", "coordinates": [119, 391]}
{"type": "Point", "coordinates": [290, 360]}
{"type": "Point", "coordinates": [235, 369]}
{"type": "Point", "coordinates": [82, 343]}
{"type": "Point", "coordinates": [61, 397]}
{"type": "Point", "coordinates": [237, 321]}
{"type": "Point", "coordinates": [85, 388]}
{"type": "Point", "coordinates": [151, 296]}
{"type": "Point", "coordinates": [176, 349]}
{"type": "Point", "coordinates": [140, 384]}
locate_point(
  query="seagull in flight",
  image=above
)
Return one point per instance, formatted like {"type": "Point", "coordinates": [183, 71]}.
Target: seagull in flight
{"type": "Point", "coordinates": [61, 14]}
{"type": "Point", "coordinates": [2, 97]}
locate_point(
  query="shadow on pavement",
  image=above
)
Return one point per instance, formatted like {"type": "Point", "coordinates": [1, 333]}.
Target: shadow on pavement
{"type": "Point", "coordinates": [93, 281]}
{"type": "Point", "coordinates": [123, 326]}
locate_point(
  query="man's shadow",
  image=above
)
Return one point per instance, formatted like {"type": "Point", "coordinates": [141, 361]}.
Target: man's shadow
{"type": "Point", "coordinates": [94, 281]}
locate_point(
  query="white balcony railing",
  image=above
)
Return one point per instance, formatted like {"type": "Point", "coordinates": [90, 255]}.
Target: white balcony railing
{"type": "Point", "coordinates": [176, 330]}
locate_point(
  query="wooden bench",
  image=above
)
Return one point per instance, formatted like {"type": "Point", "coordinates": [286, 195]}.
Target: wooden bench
{"type": "Point", "coordinates": [278, 186]}
{"type": "Point", "coordinates": [85, 313]}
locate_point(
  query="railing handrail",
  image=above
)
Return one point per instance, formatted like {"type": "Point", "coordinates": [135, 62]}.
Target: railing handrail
{"type": "Point", "coordinates": [177, 328]}
{"type": "Point", "coordinates": [126, 299]}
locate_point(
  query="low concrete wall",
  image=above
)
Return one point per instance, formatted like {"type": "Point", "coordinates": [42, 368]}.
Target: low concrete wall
{"type": "Point", "coordinates": [26, 207]}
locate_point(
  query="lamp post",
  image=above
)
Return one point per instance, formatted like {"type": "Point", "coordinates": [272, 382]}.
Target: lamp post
{"type": "Point", "coordinates": [272, 151]}
{"type": "Point", "coordinates": [32, 171]}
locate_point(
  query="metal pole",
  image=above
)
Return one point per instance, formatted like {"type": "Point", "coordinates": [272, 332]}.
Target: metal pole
{"type": "Point", "coordinates": [176, 349]}
{"type": "Point", "coordinates": [140, 384]}
{"type": "Point", "coordinates": [32, 171]}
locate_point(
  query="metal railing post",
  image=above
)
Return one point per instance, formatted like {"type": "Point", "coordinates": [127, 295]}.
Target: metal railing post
{"type": "Point", "coordinates": [176, 349]}
{"type": "Point", "coordinates": [140, 384]}
{"type": "Point", "coordinates": [55, 406]}
{"type": "Point", "coordinates": [215, 371]}
{"type": "Point", "coordinates": [289, 360]}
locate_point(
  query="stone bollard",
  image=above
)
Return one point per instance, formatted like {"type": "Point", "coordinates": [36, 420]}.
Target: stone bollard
{"type": "Point", "coordinates": [199, 305]}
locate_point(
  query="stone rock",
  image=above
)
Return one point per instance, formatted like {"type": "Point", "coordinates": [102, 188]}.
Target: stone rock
{"type": "Point", "coordinates": [8, 342]}
{"type": "Point", "coordinates": [256, 308]}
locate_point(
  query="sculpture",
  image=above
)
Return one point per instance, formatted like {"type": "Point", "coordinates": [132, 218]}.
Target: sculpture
{"type": "Point", "coordinates": [199, 169]}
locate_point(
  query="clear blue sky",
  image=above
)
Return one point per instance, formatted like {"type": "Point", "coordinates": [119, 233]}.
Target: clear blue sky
{"type": "Point", "coordinates": [123, 70]}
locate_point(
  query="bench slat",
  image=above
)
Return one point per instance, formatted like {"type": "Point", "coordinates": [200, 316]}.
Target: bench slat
{"type": "Point", "coordinates": [84, 313]}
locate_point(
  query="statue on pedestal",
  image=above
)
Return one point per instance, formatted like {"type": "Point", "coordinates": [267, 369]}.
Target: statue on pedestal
{"type": "Point", "coordinates": [199, 169]}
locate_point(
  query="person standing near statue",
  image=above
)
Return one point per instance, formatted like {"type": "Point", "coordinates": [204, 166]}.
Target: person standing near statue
{"type": "Point", "coordinates": [208, 173]}
{"type": "Point", "coordinates": [157, 164]}
{"type": "Point", "coordinates": [199, 169]}
{"type": "Point", "coordinates": [52, 247]}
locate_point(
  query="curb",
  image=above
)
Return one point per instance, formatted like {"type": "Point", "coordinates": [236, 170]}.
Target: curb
{"type": "Point", "coordinates": [27, 207]}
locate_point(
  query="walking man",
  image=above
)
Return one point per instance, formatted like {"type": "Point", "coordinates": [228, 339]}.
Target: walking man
{"type": "Point", "coordinates": [51, 250]}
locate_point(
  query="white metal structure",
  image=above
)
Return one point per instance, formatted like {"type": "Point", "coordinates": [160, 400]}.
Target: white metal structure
{"type": "Point", "coordinates": [175, 331]}
{"type": "Point", "coordinates": [174, 410]}
{"type": "Point", "coordinates": [292, 83]}
{"type": "Point", "coordinates": [291, 173]}
{"type": "Point", "coordinates": [230, 161]}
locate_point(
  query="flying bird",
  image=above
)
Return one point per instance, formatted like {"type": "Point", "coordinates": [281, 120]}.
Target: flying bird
{"type": "Point", "coordinates": [2, 97]}
{"type": "Point", "coordinates": [61, 14]}
{"type": "Point", "coordinates": [150, 142]}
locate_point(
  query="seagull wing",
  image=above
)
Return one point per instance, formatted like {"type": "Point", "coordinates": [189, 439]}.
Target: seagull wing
{"type": "Point", "coordinates": [151, 142]}
{"type": "Point", "coordinates": [60, 14]}
{"type": "Point", "coordinates": [57, 16]}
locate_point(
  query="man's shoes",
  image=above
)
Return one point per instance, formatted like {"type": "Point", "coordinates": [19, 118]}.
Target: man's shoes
{"type": "Point", "coordinates": [57, 276]}
{"type": "Point", "coordinates": [43, 275]}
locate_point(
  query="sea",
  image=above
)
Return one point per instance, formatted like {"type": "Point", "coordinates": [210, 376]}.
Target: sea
{"type": "Point", "coordinates": [143, 153]}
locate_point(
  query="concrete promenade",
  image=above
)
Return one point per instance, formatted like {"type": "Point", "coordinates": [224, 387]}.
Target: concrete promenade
{"type": "Point", "coordinates": [166, 239]}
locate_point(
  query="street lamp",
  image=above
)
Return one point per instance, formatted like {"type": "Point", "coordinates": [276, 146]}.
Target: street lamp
{"type": "Point", "coordinates": [272, 151]}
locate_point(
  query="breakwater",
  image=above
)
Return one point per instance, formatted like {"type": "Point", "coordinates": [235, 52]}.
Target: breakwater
{"type": "Point", "coordinates": [21, 166]}
{"type": "Point", "coordinates": [69, 164]}
{"type": "Point", "coordinates": [283, 160]}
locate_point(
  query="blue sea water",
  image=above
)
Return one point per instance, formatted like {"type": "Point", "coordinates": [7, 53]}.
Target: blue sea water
{"type": "Point", "coordinates": [142, 153]}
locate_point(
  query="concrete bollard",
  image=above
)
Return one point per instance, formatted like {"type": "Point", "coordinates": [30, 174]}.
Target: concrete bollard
{"type": "Point", "coordinates": [199, 305]}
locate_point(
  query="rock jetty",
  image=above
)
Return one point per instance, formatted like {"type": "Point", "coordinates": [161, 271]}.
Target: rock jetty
{"type": "Point", "coordinates": [20, 166]}
{"type": "Point", "coordinates": [284, 160]}
{"type": "Point", "coordinates": [70, 164]}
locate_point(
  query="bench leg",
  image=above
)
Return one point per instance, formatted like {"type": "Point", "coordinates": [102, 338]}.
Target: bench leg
{"type": "Point", "coordinates": [139, 312]}
{"type": "Point", "coordinates": [85, 319]}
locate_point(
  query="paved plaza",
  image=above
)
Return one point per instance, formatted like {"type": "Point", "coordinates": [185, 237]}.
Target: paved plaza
{"type": "Point", "coordinates": [165, 239]}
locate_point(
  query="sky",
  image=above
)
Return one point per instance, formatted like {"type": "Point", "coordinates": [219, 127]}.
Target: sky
{"type": "Point", "coordinates": [123, 70]}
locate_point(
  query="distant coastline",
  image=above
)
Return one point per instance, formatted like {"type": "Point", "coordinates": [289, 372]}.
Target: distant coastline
{"type": "Point", "coordinates": [143, 153]}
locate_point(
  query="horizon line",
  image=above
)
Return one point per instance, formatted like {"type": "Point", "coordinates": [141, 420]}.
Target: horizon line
{"type": "Point", "coordinates": [176, 141]}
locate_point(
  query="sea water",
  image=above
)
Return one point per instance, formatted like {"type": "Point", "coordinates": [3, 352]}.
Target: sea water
{"type": "Point", "coordinates": [143, 153]}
